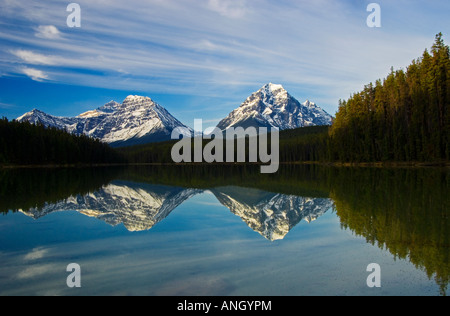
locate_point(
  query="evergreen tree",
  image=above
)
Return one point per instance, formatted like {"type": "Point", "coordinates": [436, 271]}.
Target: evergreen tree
{"type": "Point", "coordinates": [405, 117]}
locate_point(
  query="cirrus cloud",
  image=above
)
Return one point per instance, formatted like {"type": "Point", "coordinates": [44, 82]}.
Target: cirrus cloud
{"type": "Point", "coordinates": [48, 32]}
{"type": "Point", "coordinates": [228, 8]}
{"type": "Point", "coordinates": [321, 50]}
{"type": "Point", "coordinates": [35, 74]}
{"type": "Point", "coordinates": [33, 58]}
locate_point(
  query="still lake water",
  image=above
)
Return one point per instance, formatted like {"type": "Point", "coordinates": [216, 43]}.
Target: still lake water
{"type": "Point", "coordinates": [228, 231]}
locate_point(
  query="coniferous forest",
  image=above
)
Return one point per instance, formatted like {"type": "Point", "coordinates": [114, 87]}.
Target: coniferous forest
{"type": "Point", "coordinates": [404, 117]}
{"type": "Point", "coordinates": [29, 144]}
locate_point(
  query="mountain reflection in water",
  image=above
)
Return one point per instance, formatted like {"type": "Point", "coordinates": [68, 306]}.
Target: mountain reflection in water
{"type": "Point", "coordinates": [402, 211]}
{"type": "Point", "coordinates": [140, 206]}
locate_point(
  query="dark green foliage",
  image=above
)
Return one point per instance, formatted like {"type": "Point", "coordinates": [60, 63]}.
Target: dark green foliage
{"type": "Point", "coordinates": [302, 144]}
{"type": "Point", "coordinates": [28, 144]}
{"type": "Point", "coordinates": [405, 117]}
{"type": "Point", "coordinates": [149, 153]}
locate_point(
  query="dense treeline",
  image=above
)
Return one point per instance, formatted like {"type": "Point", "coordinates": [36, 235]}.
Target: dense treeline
{"type": "Point", "coordinates": [302, 144]}
{"type": "Point", "coordinates": [405, 117]}
{"type": "Point", "coordinates": [148, 153]}
{"type": "Point", "coordinates": [291, 179]}
{"type": "Point", "coordinates": [29, 144]}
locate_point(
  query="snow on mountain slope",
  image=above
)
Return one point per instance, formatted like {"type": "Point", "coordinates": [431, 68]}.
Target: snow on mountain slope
{"type": "Point", "coordinates": [273, 106]}
{"type": "Point", "coordinates": [39, 117]}
{"type": "Point", "coordinates": [140, 120]}
{"type": "Point", "coordinates": [137, 120]}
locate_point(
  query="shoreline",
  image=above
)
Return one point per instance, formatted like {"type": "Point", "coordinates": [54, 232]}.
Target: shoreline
{"type": "Point", "coordinates": [441, 164]}
{"type": "Point", "coordinates": [390, 164]}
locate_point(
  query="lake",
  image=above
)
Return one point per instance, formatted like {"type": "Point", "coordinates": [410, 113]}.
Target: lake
{"type": "Point", "coordinates": [225, 231]}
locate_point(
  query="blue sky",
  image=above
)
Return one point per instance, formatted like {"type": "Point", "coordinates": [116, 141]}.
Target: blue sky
{"type": "Point", "coordinates": [203, 58]}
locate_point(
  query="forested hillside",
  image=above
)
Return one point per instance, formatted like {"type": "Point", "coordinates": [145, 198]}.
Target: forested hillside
{"type": "Point", "coordinates": [28, 144]}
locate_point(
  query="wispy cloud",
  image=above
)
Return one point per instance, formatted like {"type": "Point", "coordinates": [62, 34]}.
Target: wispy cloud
{"type": "Point", "coordinates": [6, 105]}
{"type": "Point", "coordinates": [48, 32]}
{"type": "Point", "coordinates": [35, 271]}
{"type": "Point", "coordinates": [34, 74]}
{"type": "Point", "coordinates": [30, 57]}
{"type": "Point", "coordinates": [321, 50]}
{"type": "Point", "coordinates": [36, 253]}
{"type": "Point", "coordinates": [228, 8]}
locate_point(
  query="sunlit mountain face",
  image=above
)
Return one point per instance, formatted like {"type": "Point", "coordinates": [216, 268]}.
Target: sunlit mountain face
{"type": "Point", "coordinates": [137, 120]}
{"type": "Point", "coordinates": [272, 106]}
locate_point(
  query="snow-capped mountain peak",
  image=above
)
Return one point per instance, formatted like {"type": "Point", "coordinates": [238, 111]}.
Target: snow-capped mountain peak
{"type": "Point", "coordinates": [33, 113]}
{"type": "Point", "coordinates": [109, 107]}
{"type": "Point", "coordinates": [273, 106]}
{"type": "Point", "coordinates": [133, 101]}
{"type": "Point", "coordinates": [136, 120]}
{"type": "Point", "coordinates": [270, 88]}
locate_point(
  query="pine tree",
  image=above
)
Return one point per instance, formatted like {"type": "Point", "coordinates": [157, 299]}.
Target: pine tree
{"type": "Point", "coordinates": [405, 117]}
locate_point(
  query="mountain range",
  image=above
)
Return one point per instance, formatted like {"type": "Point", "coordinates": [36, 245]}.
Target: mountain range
{"type": "Point", "coordinates": [140, 120]}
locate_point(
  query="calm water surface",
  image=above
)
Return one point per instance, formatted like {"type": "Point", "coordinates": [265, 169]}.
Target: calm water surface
{"type": "Point", "coordinates": [307, 230]}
